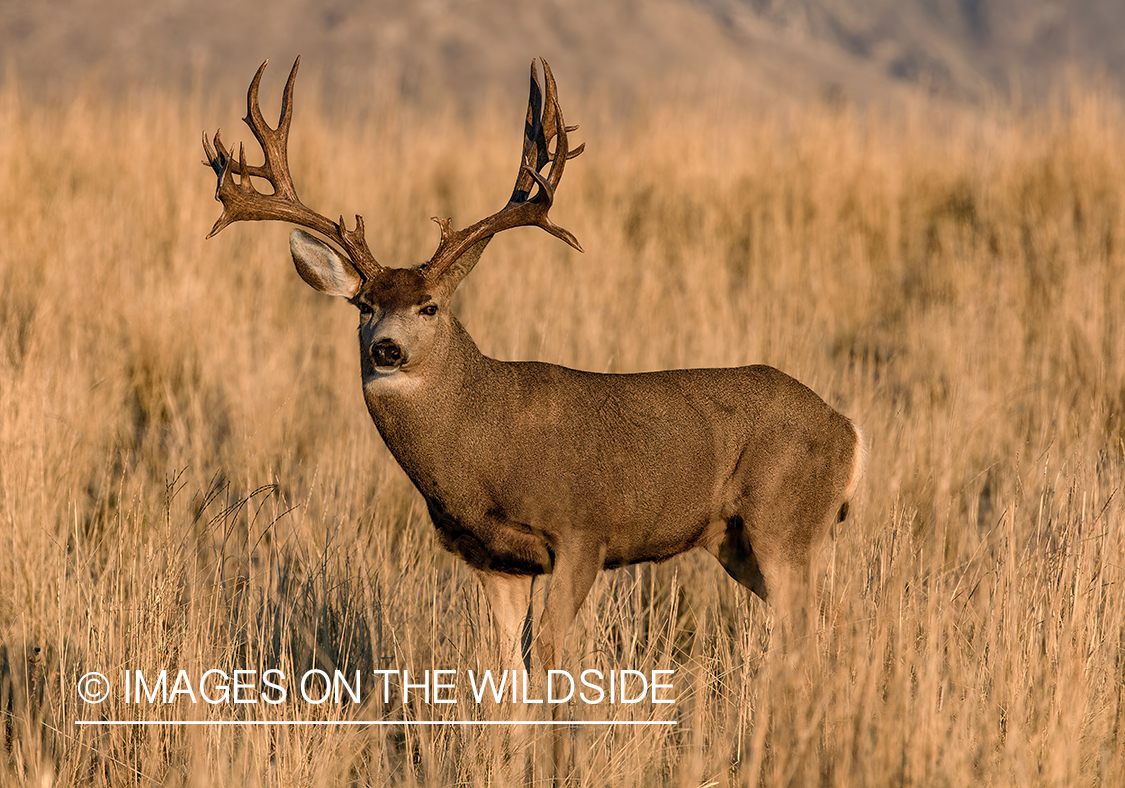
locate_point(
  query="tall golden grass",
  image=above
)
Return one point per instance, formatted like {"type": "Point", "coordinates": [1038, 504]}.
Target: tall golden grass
{"type": "Point", "coordinates": [189, 480]}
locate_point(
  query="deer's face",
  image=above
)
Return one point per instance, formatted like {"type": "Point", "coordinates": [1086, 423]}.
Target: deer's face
{"type": "Point", "coordinates": [404, 326]}
{"type": "Point", "coordinates": [402, 316]}
{"type": "Point", "coordinates": [400, 322]}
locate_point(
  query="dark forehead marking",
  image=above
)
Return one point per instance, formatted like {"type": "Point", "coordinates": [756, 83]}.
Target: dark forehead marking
{"type": "Point", "coordinates": [396, 288]}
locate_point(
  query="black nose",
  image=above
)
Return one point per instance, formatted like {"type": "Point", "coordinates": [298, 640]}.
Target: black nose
{"type": "Point", "coordinates": [385, 353]}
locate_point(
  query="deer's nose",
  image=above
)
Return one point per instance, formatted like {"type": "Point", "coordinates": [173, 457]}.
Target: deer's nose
{"type": "Point", "coordinates": [385, 353]}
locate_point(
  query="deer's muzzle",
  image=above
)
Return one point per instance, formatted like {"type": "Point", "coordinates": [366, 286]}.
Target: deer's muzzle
{"type": "Point", "coordinates": [385, 353]}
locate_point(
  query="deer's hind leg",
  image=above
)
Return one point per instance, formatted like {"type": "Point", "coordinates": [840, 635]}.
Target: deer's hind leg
{"type": "Point", "coordinates": [736, 554]}
{"type": "Point", "coordinates": [763, 551]}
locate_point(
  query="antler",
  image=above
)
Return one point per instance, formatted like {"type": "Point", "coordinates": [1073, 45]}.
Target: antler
{"type": "Point", "coordinates": [242, 202]}
{"type": "Point", "coordinates": [544, 124]}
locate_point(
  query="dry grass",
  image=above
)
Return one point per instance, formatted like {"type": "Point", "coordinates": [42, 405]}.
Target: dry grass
{"type": "Point", "coordinates": [188, 478]}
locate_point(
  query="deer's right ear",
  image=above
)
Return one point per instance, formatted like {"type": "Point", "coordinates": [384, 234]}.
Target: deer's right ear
{"type": "Point", "coordinates": [322, 266]}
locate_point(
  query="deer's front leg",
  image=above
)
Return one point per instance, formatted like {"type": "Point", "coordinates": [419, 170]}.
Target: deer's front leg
{"type": "Point", "coordinates": [571, 578]}
{"type": "Point", "coordinates": [509, 596]}
{"type": "Point", "coordinates": [573, 575]}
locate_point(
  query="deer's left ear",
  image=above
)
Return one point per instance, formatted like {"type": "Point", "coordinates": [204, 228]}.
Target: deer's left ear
{"type": "Point", "coordinates": [323, 267]}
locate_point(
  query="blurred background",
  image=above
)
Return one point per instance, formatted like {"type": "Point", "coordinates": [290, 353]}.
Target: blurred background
{"type": "Point", "coordinates": [856, 49]}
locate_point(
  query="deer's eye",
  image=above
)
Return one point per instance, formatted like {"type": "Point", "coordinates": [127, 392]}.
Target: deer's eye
{"type": "Point", "coordinates": [429, 310]}
{"type": "Point", "coordinates": [365, 309]}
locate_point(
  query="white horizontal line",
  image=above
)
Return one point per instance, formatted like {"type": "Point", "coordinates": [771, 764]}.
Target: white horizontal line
{"type": "Point", "coordinates": [366, 722]}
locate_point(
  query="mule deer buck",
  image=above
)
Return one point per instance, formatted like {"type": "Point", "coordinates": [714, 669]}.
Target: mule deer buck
{"type": "Point", "coordinates": [530, 468]}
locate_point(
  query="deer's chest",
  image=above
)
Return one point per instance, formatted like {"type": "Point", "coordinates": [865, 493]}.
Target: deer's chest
{"type": "Point", "coordinates": [492, 542]}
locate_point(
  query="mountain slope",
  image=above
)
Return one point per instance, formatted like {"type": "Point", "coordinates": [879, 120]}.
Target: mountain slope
{"type": "Point", "coordinates": [429, 49]}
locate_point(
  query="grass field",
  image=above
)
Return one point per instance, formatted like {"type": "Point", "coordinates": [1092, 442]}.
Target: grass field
{"type": "Point", "coordinates": [189, 479]}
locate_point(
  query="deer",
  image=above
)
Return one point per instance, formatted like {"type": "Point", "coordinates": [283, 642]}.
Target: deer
{"type": "Point", "coordinates": [530, 469]}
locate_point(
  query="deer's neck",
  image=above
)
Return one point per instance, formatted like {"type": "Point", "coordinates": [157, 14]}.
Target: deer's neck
{"type": "Point", "coordinates": [431, 406]}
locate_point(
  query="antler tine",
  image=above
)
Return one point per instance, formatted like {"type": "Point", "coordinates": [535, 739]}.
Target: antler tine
{"type": "Point", "coordinates": [561, 130]}
{"type": "Point", "coordinates": [534, 142]}
{"type": "Point", "coordinates": [544, 123]}
{"type": "Point", "coordinates": [243, 202]}
{"type": "Point", "coordinates": [274, 142]}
